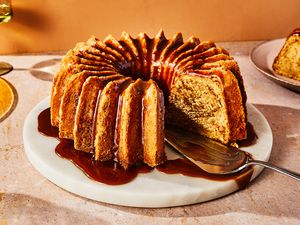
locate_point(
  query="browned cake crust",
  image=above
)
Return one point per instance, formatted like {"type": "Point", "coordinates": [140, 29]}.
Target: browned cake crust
{"type": "Point", "coordinates": [130, 126]}
{"type": "Point", "coordinates": [69, 104]}
{"type": "Point", "coordinates": [287, 62]}
{"type": "Point", "coordinates": [108, 106]}
{"type": "Point", "coordinates": [140, 136]}
{"type": "Point", "coordinates": [153, 125]}
{"type": "Point", "coordinates": [200, 83]}
{"type": "Point", "coordinates": [210, 106]}
{"type": "Point", "coordinates": [86, 110]}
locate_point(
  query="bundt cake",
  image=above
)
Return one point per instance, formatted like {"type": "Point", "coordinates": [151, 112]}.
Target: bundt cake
{"type": "Point", "coordinates": [113, 97]}
{"type": "Point", "coordinates": [287, 62]}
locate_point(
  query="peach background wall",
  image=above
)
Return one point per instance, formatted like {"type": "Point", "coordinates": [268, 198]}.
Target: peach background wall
{"type": "Point", "coordinates": [43, 25]}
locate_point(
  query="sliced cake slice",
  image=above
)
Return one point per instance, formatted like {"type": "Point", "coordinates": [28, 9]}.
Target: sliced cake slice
{"type": "Point", "coordinates": [146, 49]}
{"type": "Point", "coordinates": [210, 103]}
{"type": "Point", "coordinates": [106, 117]}
{"type": "Point", "coordinates": [69, 67]}
{"type": "Point", "coordinates": [175, 42]}
{"type": "Point", "coordinates": [60, 81]}
{"type": "Point", "coordinates": [159, 43]}
{"type": "Point", "coordinates": [287, 62]}
{"type": "Point", "coordinates": [129, 125]}
{"type": "Point", "coordinates": [85, 118]}
{"type": "Point", "coordinates": [153, 125]}
{"type": "Point", "coordinates": [69, 104]}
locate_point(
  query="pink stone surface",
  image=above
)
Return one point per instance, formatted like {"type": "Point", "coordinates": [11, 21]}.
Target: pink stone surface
{"type": "Point", "coordinates": [26, 197]}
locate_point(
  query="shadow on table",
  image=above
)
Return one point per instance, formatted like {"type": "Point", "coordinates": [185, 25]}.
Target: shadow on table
{"type": "Point", "coordinates": [43, 70]}
{"type": "Point", "coordinates": [270, 193]}
{"type": "Point", "coordinates": [27, 210]}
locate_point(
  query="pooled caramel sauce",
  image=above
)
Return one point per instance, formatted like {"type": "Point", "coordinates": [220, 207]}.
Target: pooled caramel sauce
{"type": "Point", "coordinates": [109, 172]}
{"type": "Point", "coordinates": [187, 168]}
{"type": "Point", "coordinates": [112, 173]}
{"type": "Point", "coordinates": [44, 124]}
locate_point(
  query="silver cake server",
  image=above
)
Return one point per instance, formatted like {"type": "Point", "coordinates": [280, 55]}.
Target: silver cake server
{"type": "Point", "coordinates": [214, 157]}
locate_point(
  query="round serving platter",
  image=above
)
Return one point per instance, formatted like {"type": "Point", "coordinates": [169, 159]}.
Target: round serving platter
{"type": "Point", "coordinates": [154, 189]}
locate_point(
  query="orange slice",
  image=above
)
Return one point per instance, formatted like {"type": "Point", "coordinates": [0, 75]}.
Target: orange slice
{"type": "Point", "coordinates": [6, 97]}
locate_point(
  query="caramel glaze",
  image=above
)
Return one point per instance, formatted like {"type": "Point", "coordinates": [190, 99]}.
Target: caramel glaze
{"type": "Point", "coordinates": [111, 173]}
{"type": "Point", "coordinates": [117, 124]}
{"type": "Point", "coordinates": [149, 43]}
{"type": "Point", "coordinates": [94, 122]}
{"type": "Point", "coordinates": [187, 168]}
{"type": "Point", "coordinates": [44, 124]}
{"type": "Point", "coordinates": [108, 172]}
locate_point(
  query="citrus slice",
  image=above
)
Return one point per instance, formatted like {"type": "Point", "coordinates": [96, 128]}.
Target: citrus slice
{"type": "Point", "coordinates": [6, 97]}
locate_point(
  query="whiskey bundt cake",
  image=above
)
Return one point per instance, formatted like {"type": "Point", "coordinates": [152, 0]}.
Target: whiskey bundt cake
{"type": "Point", "coordinates": [287, 62]}
{"type": "Point", "coordinates": [109, 96]}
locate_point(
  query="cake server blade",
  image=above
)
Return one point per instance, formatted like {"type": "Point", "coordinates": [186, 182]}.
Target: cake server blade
{"type": "Point", "coordinates": [214, 157]}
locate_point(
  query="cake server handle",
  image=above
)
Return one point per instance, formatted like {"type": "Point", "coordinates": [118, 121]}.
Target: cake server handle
{"type": "Point", "coordinates": [268, 165]}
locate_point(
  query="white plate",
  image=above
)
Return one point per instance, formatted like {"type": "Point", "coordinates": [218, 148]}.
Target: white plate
{"type": "Point", "coordinates": [263, 55]}
{"type": "Point", "coordinates": [154, 189]}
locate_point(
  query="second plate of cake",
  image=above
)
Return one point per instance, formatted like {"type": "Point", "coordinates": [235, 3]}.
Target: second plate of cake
{"type": "Point", "coordinates": [263, 55]}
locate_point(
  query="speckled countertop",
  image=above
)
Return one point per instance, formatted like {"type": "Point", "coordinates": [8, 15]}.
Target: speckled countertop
{"type": "Point", "coordinates": [26, 197]}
